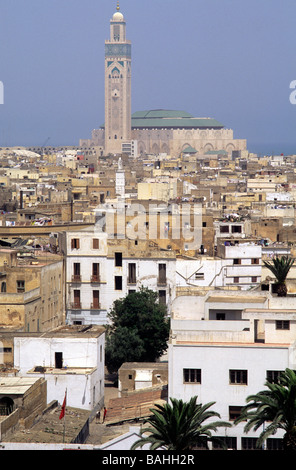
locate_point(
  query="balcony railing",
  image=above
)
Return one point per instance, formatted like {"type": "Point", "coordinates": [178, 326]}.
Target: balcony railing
{"type": "Point", "coordinates": [95, 306]}
{"type": "Point", "coordinates": [76, 278]}
{"type": "Point", "coordinates": [76, 305]}
{"type": "Point", "coordinates": [95, 278]}
{"type": "Point", "coordinates": [161, 282]}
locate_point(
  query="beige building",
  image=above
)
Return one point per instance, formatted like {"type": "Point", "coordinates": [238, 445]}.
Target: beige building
{"type": "Point", "coordinates": [32, 291]}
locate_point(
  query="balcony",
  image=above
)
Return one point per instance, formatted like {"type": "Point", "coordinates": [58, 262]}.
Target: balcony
{"type": "Point", "coordinates": [76, 278]}
{"type": "Point", "coordinates": [75, 305]}
{"type": "Point", "coordinates": [95, 306]}
{"type": "Point", "coordinates": [95, 278]}
{"type": "Point", "coordinates": [161, 282]}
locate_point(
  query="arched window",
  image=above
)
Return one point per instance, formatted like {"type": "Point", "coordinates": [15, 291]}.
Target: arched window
{"type": "Point", "coordinates": [6, 406]}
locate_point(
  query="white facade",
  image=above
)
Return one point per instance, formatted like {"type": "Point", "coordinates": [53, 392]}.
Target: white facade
{"type": "Point", "coordinates": [80, 370]}
{"type": "Point", "coordinates": [96, 277]}
{"type": "Point", "coordinates": [224, 345]}
{"type": "Point", "coordinates": [235, 265]}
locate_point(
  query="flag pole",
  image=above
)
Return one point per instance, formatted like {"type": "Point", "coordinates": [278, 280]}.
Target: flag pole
{"type": "Point", "coordinates": [64, 434]}
{"type": "Point", "coordinates": [63, 414]}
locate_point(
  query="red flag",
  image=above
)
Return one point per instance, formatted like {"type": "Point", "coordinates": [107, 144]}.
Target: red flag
{"type": "Point", "coordinates": [62, 414]}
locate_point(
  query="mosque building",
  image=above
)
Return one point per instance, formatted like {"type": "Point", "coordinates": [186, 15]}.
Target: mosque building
{"type": "Point", "coordinates": [153, 131]}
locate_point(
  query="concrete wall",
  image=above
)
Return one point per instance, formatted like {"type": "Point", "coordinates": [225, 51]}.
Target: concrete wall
{"type": "Point", "coordinates": [215, 363]}
{"type": "Point", "coordinates": [83, 367]}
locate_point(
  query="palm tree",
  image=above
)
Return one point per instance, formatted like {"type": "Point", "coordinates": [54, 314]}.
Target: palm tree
{"type": "Point", "coordinates": [179, 426]}
{"type": "Point", "coordinates": [280, 266]}
{"type": "Point", "coordinates": [275, 406]}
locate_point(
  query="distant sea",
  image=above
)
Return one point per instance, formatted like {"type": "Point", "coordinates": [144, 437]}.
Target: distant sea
{"type": "Point", "coordinates": [262, 149]}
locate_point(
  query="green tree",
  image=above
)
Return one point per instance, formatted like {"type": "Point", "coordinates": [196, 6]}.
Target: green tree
{"type": "Point", "coordinates": [280, 267]}
{"type": "Point", "coordinates": [179, 426]}
{"type": "Point", "coordinates": [273, 409]}
{"type": "Point", "coordinates": [138, 330]}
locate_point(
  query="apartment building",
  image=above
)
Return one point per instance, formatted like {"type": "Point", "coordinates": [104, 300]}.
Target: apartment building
{"type": "Point", "coordinates": [102, 269]}
{"type": "Point", "coordinates": [224, 345]}
{"type": "Point", "coordinates": [32, 290]}
{"type": "Point", "coordinates": [237, 265]}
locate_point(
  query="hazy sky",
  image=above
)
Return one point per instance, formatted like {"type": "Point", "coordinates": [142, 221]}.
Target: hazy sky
{"type": "Point", "coordinates": [232, 60]}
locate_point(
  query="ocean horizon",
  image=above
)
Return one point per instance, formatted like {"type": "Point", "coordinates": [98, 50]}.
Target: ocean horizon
{"type": "Point", "coordinates": [277, 148]}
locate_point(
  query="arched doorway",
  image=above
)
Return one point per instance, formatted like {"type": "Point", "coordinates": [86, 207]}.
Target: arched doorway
{"type": "Point", "coordinates": [6, 406]}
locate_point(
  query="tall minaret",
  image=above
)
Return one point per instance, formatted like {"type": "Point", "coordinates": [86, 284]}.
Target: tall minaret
{"type": "Point", "coordinates": [117, 85]}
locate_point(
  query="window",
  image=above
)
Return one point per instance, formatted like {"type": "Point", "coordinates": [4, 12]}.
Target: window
{"type": "Point", "coordinates": [76, 272]}
{"type": "Point", "coordinates": [274, 444]}
{"type": "Point", "coordinates": [249, 443]}
{"type": "Point", "coordinates": [58, 360]}
{"type": "Point", "coordinates": [118, 259]}
{"type": "Point", "coordinates": [220, 316]}
{"type": "Point", "coordinates": [76, 294]}
{"type": "Point", "coordinates": [237, 261]}
{"type": "Point", "coordinates": [255, 261]}
{"type": "Point", "coordinates": [238, 377]}
{"type": "Point", "coordinates": [234, 412]}
{"type": "Point", "coordinates": [75, 243]}
{"type": "Point", "coordinates": [254, 278]}
{"type": "Point", "coordinates": [162, 274]}
{"type": "Point", "coordinates": [5, 350]}
{"type": "Point", "coordinates": [162, 297]}
{"type": "Point", "coordinates": [222, 442]}
{"type": "Point", "coordinates": [236, 229]}
{"type": "Point", "coordinates": [224, 229]}
{"type": "Point", "coordinates": [96, 299]}
{"type": "Point", "coordinates": [199, 276]}
{"type": "Point", "coordinates": [282, 324]}
{"type": "Point", "coordinates": [132, 273]}
{"type": "Point", "coordinates": [96, 243]}
{"type": "Point", "coordinates": [236, 280]}
{"type": "Point", "coordinates": [95, 277]}
{"type": "Point", "coordinates": [273, 376]}
{"type": "Point", "coordinates": [204, 224]}
{"type": "Point", "coordinates": [20, 286]}
{"type": "Point", "coordinates": [118, 282]}
{"type": "Point", "coordinates": [192, 376]}
{"type": "Point", "coordinates": [3, 286]}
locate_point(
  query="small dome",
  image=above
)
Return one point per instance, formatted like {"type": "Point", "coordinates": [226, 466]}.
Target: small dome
{"type": "Point", "coordinates": [117, 16]}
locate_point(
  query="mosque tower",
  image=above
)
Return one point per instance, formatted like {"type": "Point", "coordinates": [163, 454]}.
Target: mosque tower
{"type": "Point", "coordinates": [117, 85]}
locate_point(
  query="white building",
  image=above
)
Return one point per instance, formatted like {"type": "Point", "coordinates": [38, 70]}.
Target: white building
{"type": "Point", "coordinates": [236, 265]}
{"type": "Point", "coordinates": [223, 347]}
{"type": "Point", "coordinates": [69, 358]}
{"type": "Point", "coordinates": [101, 269]}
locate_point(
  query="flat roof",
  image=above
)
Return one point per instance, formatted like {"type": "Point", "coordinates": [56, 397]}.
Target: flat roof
{"type": "Point", "coordinates": [16, 385]}
{"type": "Point", "coordinates": [236, 298]}
{"type": "Point", "coordinates": [63, 331]}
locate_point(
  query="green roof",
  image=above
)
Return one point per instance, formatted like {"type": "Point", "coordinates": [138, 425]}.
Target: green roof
{"type": "Point", "coordinates": [189, 149]}
{"type": "Point", "coordinates": [170, 119]}
{"type": "Point", "coordinates": [161, 113]}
